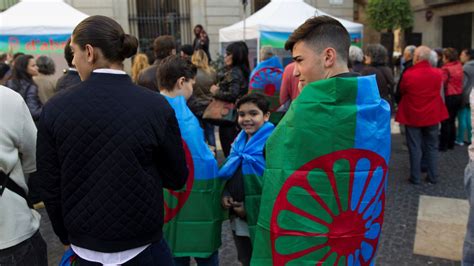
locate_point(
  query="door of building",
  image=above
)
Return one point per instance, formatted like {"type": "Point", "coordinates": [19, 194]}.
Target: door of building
{"type": "Point", "coordinates": [457, 31]}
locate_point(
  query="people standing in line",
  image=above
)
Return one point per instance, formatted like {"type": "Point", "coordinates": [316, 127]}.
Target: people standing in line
{"type": "Point", "coordinates": [24, 70]}
{"type": "Point", "coordinates": [106, 149]}
{"type": "Point", "coordinates": [45, 80]}
{"type": "Point", "coordinates": [190, 232]}
{"type": "Point", "coordinates": [140, 62]}
{"type": "Point", "coordinates": [421, 110]}
{"type": "Point", "coordinates": [244, 170]}
{"type": "Point", "coordinates": [356, 59]}
{"type": "Point", "coordinates": [452, 80]}
{"type": "Point", "coordinates": [71, 76]}
{"type": "Point", "coordinates": [21, 242]}
{"type": "Point", "coordinates": [163, 46]}
{"type": "Point", "coordinates": [376, 63]}
{"type": "Point", "coordinates": [232, 86]}
{"type": "Point", "coordinates": [464, 114]}
{"type": "Point", "coordinates": [202, 96]}
{"type": "Point", "coordinates": [289, 89]}
{"type": "Point", "coordinates": [201, 40]}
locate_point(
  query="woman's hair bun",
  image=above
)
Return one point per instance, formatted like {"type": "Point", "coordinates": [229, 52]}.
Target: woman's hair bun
{"type": "Point", "coordinates": [129, 46]}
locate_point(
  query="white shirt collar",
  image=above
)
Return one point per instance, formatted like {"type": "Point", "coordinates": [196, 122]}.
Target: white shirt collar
{"type": "Point", "coordinates": [71, 69]}
{"type": "Point", "coordinates": [110, 71]}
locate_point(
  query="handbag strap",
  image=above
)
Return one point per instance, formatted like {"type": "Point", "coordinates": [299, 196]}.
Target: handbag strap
{"type": "Point", "coordinates": [7, 182]}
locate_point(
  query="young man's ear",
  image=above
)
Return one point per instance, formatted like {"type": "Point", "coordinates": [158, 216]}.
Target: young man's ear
{"type": "Point", "coordinates": [329, 57]}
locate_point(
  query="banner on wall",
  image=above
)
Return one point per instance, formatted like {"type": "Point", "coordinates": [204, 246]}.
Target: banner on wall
{"type": "Point", "coordinates": [278, 39]}
{"type": "Point", "coordinates": [34, 44]}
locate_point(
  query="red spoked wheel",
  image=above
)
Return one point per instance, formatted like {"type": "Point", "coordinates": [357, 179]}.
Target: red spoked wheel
{"type": "Point", "coordinates": [175, 200]}
{"type": "Point", "coordinates": [266, 80]}
{"type": "Point", "coordinates": [330, 211]}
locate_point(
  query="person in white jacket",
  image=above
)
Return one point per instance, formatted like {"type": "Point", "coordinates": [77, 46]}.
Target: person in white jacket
{"type": "Point", "coordinates": [20, 240]}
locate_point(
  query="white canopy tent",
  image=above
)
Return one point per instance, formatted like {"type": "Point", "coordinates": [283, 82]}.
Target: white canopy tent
{"type": "Point", "coordinates": [39, 27]}
{"type": "Point", "coordinates": [38, 17]}
{"type": "Point", "coordinates": [272, 24]}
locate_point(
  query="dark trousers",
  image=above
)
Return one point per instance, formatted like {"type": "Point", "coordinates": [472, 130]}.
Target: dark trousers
{"type": "Point", "coordinates": [227, 136]}
{"type": "Point", "coordinates": [212, 260]}
{"type": "Point", "coordinates": [448, 126]}
{"type": "Point", "coordinates": [156, 254]}
{"type": "Point", "coordinates": [423, 142]}
{"type": "Point", "coordinates": [244, 248]}
{"type": "Point", "coordinates": [31, 252]}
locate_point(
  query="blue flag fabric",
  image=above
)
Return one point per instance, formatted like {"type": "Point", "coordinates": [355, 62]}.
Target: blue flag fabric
{"type": "Point", "coordinates": [193, 135]}
{"type": "Point", "coordinates": [249, 154]}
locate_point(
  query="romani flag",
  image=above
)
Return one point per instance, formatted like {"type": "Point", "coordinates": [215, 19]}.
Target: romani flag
{"type": "Point", "coordinates": [324, 186]}
{"type": "Point", "coordinates": [193, 215]}
{"type": "Point", "coordinates": [266, 79]}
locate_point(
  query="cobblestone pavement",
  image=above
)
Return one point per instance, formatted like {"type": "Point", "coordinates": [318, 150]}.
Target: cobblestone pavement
{"type": "Point", "coordinates": [396, 245]}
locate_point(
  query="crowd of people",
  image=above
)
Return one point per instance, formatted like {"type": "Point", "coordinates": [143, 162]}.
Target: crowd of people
{"type": "Point", "coordinates": [126, 165]}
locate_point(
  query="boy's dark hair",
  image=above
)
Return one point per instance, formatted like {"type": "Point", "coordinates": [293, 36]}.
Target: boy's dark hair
{"type": "Point", "coordinates": [172, 68]}
{"type": "Point", "coordinates": [256, 98]}
{"type": "Point", "coordinates": [163, 46]}
{"type": "Point", "coordinates": [321, 32]}
{"type": "Point", "coordinates": [187, 49]}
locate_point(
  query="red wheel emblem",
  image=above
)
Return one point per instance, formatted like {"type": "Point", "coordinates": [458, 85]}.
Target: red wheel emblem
{"type": "Point", "coordinates": [266, 80]}
{"type": "Point", "coordinates": [330, 210]}
{"type": "Point", "coordinates": [175, 200]}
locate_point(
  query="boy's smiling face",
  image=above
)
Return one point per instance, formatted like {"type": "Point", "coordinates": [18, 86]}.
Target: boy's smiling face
{"type": "Point", "coordinates": [251, 118]}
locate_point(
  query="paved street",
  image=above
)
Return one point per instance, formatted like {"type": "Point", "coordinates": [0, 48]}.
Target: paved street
{"type": "Point", "coordinates": [401, 212]}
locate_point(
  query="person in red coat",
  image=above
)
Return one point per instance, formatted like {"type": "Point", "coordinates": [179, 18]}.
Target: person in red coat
{"type": "Point", "coordinates": [421, 109]}
{"type": "Point", "coordinates": [452, 79]}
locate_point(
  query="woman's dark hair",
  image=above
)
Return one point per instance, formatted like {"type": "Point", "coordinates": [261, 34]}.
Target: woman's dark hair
{"type": "Point", "coordinates": [240, 56]}
{"type": "Point", "coordinates": [105, 33]}
{"type": "Point", "coordinates": [194, 29]}
{"type": "Point", "coordinates": [451, 54]}
{"type": "Point", "coordinates": [20, 69]}
{"type": "Point", "coordinates": [378, 54]}
{"type": "Point", "coordinates": [68, 55]}
{"type": "Point", "coordinates": [172, 68]}
{"type": "Point", "coordinates": [256, 98]}
{"type": "Point", "coordinates": [45, 65]}
{"type": "Point", "coordinates": [4, 68]}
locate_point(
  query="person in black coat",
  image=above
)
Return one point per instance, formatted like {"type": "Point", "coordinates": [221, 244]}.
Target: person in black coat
{"type": "Point", "coordinates": [70, 77]}
{"type": "Point", "coordinates": [106, 149]}
{"type": "Point", "coordinates": [22, 82]}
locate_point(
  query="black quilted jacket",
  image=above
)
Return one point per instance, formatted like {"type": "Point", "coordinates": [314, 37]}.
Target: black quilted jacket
{"type": "Point", "coordinates": [106, 148]}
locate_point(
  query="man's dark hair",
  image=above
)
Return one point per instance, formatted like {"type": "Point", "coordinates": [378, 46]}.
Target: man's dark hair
{"type": "Point", "coordinates": [45, 65]}
{"type": "Point", "coordinates": [163, 46]}
{"type": "Point", "coordinates": [187, 49]}
{"type": "Point", "coordinates": [322, 32]}
{"type": "Point", "coordinates": [68, 55]}
{"type": "Point", "coordinates": [469, 53]}
{"type": "Point", "coordinates": [256, 98]}
{"type": "Point", "coordinates": [172, 68]}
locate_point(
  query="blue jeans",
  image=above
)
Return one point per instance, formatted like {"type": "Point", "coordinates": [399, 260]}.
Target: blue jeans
{"type": "Point", "coordinates": [464, 119]}
{"type": "Point", "coordinates": [468, 249]}
{"type": "Point", "coordinates": [423, 142]}
{"type": "Point", "coordinates": [31, 252]}
{"type": "Point", "coordinates": [212, 260]}
{"type": "Point", "coordinates": [156, 254]}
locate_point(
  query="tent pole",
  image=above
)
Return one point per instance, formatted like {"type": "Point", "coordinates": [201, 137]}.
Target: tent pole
{"type": "Point", "coordinates": [244, 3]}
{"type": "Point", "coordinates": [258, 47]}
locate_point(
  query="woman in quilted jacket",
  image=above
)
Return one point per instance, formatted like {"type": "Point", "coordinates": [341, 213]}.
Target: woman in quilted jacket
{"type": "Point", "coordinates": [24, 70]}
{"type": "Point", "coordinates": [452, 80]}
{"type": "Point", "coordinates": [232, 86]}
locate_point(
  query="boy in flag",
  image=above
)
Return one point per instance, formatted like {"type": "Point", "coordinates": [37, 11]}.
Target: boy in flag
{"type": "Point", "coordinates": [324, 183]}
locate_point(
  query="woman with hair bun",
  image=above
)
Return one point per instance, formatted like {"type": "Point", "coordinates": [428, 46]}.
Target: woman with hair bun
{"type": "Point", "coordinates": [106, 149]}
